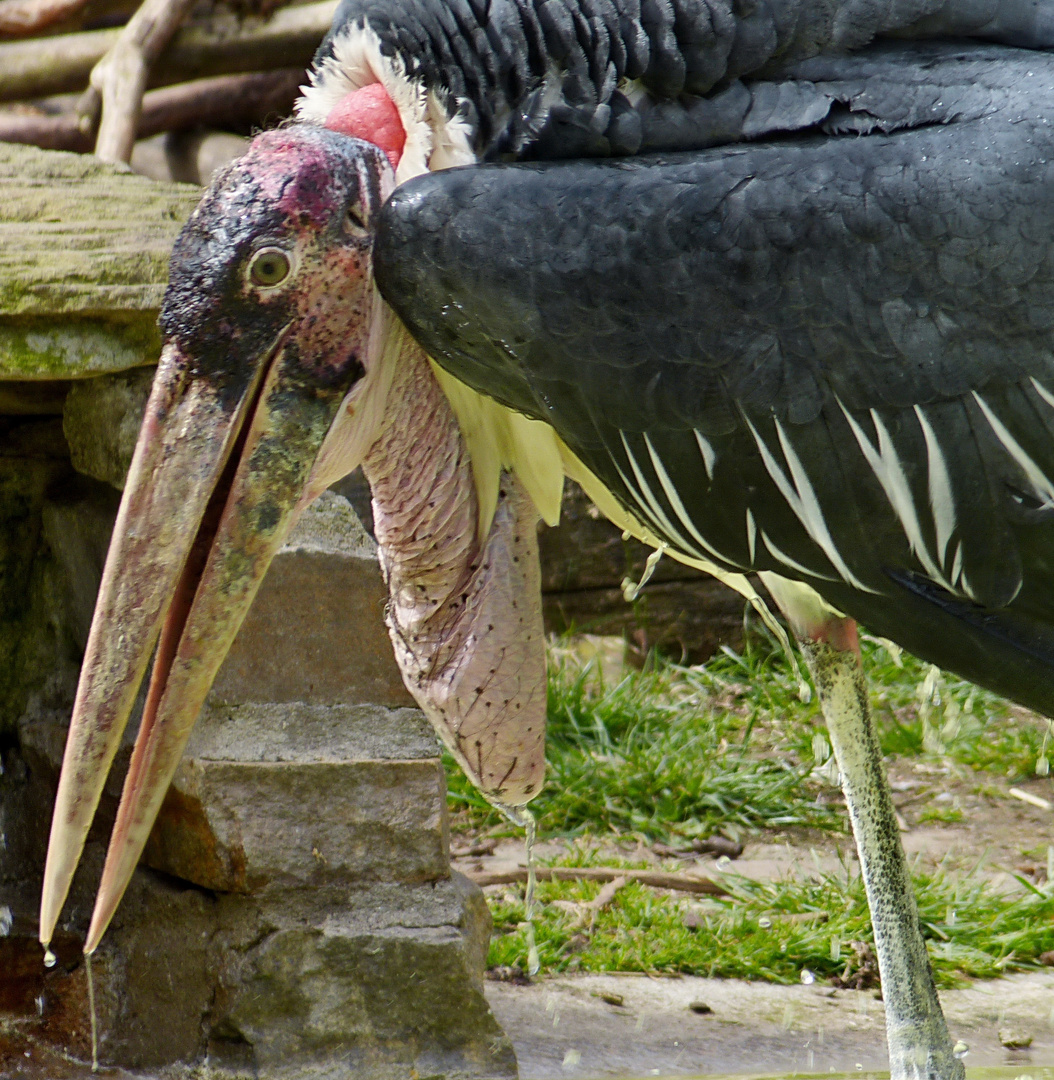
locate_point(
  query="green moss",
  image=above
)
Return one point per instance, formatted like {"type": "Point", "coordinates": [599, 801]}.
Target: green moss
{"type": "Point", "coordinates": [74, 348]}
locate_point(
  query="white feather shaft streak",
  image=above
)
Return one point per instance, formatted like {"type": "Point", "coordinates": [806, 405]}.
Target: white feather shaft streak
{"type": "Point", "coordinates": [707, 450]}
{"type": "Point", "coordinates": [801, 498]}
{"type": "Point", "coordinates": [616, 513]}
{"type": "Point", "coordinates": [675, 501]}
{"type": "Point", "coordinates": [942, 498]}
{"type": "Point", "coordinates": [1043, 392]}
{"type": "Point", "coordinates": [652, 507]}
{"type": "Point", "coordinates": [888, 470]}
{"type": "Point", "coordinates": [790, 563]}
{"type": "Point", "coordinates": [1036, 477]}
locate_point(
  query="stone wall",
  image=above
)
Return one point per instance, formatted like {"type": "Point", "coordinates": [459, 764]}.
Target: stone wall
{"type": "Point", "coordinates": [296, 914]}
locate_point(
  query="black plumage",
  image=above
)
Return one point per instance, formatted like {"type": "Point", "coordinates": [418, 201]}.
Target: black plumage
{"type": "Point", "coordinates": [545, 79]}
{"type": "Point", "coordinates": [821, 354]}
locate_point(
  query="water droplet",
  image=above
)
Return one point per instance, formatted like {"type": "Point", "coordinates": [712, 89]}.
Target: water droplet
{"type": "Point", "coordinates": [521, 816]}
{"type": "Point", "coordinates": [94, 1018]}
{"type": "Point", "coordinates": [49, 958]}
{"type": "Point", "coordinates": [807, 977]}
{"type": "Point", "coordinates": [764, 922]}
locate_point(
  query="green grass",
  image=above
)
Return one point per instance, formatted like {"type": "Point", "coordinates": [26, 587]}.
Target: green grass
{"type": "Point", "coordinates": [775, 930]}
{"type": "Point", "coordinates": [673, 753]}
{"type": "Point", "coordinates": [652, 756]}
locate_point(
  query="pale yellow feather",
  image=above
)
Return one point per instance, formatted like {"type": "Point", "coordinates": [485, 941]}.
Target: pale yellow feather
{"type": "Point", "coordinates": [498, 438]}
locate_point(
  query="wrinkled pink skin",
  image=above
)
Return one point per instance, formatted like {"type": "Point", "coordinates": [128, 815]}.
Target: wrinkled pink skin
{"type": "Point", "coordinates": [465, 619]}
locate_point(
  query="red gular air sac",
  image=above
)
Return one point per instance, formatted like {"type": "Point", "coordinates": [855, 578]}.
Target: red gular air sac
{"type": "Point", "coordinates": [370, 114]}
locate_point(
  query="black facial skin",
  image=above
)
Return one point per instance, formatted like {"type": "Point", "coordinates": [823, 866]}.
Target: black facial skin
{"type": "Point", "coordinates": [297, 184]}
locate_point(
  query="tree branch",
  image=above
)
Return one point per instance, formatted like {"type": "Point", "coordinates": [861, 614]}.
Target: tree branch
{"type": "Point", "coordinates": [62, 64]}
{"type": "Point", "coordinates": [119, 78]}
{"type": "Point", "coordinates": [228, 99]}
{"type": "Point", "coordinates": [20, 18]}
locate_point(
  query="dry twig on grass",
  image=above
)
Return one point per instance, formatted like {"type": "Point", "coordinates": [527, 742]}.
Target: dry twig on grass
{"type": "Point", "coordinates": [657, 879]}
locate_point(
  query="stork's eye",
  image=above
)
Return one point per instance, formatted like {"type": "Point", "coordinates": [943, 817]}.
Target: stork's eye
{"type": "Point", "coordinates": [270, 267]}
{"type": "Point", "coordinates": [356, 218]}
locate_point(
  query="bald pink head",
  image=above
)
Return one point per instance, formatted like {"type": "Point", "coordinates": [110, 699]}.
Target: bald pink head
{"type": "Point", "coordinates": [370, 114]}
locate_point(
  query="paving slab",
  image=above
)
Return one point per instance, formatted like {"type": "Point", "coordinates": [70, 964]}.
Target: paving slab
{"type": "Point", "coordinates": [562, 1028]}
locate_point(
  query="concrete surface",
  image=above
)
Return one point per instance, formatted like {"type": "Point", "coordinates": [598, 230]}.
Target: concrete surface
{"type": "Point", "coordinates": [561, 1027]}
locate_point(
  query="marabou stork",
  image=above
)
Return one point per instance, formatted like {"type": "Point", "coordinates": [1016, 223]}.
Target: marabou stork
{"type": "Point", "coordinates": [788, 309]}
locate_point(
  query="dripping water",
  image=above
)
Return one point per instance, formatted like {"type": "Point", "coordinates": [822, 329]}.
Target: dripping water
{"type": "Point", "coordinates": [91, 1010]}
{"type": "Point", "coordinates": [49, 958]}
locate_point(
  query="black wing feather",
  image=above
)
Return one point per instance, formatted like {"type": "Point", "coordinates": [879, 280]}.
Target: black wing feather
{"type": "Point", "coordinates": [857, 328]}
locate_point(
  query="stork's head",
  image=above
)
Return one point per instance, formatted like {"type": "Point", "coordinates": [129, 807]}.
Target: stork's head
{"type": "Point", "coordinates": [271, 385]}
{"type": "Point", "coordinates": [271, 280]}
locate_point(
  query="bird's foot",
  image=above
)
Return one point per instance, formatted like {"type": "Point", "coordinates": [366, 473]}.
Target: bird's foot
{"type": "Point", "coordinates": [925, 1055]}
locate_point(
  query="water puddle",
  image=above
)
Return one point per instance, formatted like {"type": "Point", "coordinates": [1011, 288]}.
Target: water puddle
{"type": "Point", "coordinates": [1029, 1072]}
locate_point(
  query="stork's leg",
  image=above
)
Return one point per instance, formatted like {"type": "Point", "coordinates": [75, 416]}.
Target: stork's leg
{"type": "Point", "coordinates": [920, 1047]}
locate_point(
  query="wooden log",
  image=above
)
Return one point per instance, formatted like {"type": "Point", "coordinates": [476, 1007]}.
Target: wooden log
{"type": "Point", "coordinates": [59, 65]}
{"type": "Point", "coordinates": [22, 17]}
{"type": "Point", "coordinates": [219, 102]}
{"type": "Point", "coordinates": [84, 251]}
{"type": "Point", "coordinates": [682, 612]}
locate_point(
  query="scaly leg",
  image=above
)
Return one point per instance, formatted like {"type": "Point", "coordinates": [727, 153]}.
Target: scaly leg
{"type": "Point", "coordinates": [920, 1047]}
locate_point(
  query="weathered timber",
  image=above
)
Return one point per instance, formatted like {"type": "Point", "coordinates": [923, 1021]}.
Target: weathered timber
{"type": "Point", "coordinates": [225, 100]}
{"type": "Point", "coordinates": [84, 253]}
{"type": "Point", "coordinates": [222, 46]}
{"type": "Point", "coordinates": [682, 612]}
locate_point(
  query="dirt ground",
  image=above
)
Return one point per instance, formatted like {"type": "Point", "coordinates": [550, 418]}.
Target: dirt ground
{"type": "Point", "coordinates": [999, 833]}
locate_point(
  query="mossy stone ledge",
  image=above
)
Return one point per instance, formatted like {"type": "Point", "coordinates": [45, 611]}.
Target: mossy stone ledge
{"type": "Point", "coordinates": [84, 250]}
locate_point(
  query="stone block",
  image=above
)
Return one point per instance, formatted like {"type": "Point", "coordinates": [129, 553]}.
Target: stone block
{"type": "Point", "coordinates": [386, 986]}
{"type": "Point", "coordinates": [104, 450]}
{"type": "Point", "coordinates": [295, 731]}
{"type": "Point", "coordinates": [382, 982]}
{"type": "Point", "coordinates": [253, 826]}
{"type": "Point", "coordinates": [315, 632]}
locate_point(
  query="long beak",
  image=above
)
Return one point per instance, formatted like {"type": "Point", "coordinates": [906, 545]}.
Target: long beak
{"type": "Point", "coordinates": [213, 492]}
